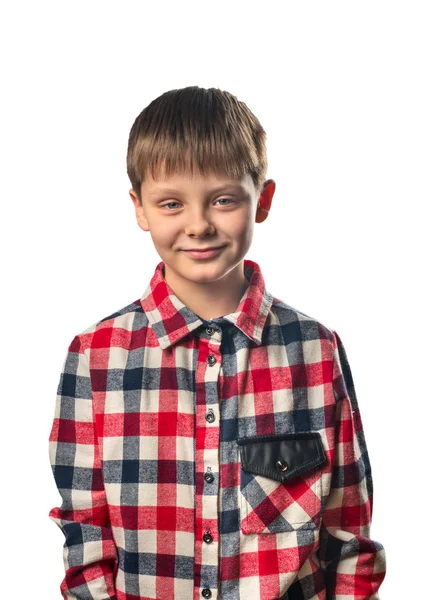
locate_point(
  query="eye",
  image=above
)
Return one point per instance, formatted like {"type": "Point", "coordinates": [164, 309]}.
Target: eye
{"type": "Point", "coordinates": [165, 205]}
{"type": "Point", "coordinates": [221, 199]}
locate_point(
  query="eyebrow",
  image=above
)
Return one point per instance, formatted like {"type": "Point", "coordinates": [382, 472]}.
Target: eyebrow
{"type": "Point", "coordinates": [234, 186]}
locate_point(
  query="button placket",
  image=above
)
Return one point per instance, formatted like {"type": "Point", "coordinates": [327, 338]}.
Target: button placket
{"type": "Point", "coordinates": [208, 413]}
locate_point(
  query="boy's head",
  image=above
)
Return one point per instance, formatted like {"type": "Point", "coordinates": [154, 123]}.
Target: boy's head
{"type": "Point", "coordinates": [197, 163]}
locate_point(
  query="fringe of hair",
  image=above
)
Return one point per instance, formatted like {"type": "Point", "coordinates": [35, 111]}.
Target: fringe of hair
{"type": "Point", "coordinates": [196, 128]}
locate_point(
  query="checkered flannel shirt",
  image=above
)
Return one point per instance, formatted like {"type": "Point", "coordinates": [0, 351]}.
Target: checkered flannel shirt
{"type": "Point", "coordinates": [219, 459]}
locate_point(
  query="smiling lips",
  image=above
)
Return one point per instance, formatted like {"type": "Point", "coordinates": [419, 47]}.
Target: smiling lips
{"type": "Point", "coordinates": [205, 253]}
{"type": "Point", "coordinates": [203, 249]}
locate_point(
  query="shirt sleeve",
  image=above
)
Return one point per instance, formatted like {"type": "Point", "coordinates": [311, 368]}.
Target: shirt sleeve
{"type": "Point", "coordinates": [354, 564]}
{"type": "Point", "coordinates": [89, 551]}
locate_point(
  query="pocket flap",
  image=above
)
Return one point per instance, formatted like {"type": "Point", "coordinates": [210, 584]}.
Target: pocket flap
{"type": "Point", "coordinates": [281, 457]}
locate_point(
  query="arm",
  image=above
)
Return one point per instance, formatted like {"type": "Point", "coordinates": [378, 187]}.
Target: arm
{"type": "Point", "coordinates": [89, 550]}
{"type": "Point", "coordinates": [354, 564]}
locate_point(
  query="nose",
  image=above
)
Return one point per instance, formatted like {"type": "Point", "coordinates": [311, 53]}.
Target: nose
{"type": "Point", "coordinates": [198, 223]}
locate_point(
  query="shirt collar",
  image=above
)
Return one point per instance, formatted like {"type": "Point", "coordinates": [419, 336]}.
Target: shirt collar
{"type": "Point", "coordinates": [171, 319]}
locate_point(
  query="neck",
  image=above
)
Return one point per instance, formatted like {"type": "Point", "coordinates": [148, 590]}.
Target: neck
{"type": "Point", "coordinates": [213, 299]}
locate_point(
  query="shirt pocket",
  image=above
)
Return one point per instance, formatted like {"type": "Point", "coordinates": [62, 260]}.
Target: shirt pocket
{"type": "Point", "coordinates": [280, 482]}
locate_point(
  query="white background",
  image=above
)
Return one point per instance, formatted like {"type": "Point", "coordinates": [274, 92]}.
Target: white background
{"type": "Point", "coordinates": [343, 90]}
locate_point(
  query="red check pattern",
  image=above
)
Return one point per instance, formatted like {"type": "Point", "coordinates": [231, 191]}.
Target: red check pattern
{"type": "Point", "coordinates": [156, 503]}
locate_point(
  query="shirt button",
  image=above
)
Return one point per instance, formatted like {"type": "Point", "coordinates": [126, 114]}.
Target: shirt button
{"type": "Point", "coordinates": [207, 538]}
{"type": "Point", "coordinates": [210, 416]}
{"type": "Point", "coordinates": [211, 360]}
{"type": "Point", "coordinates": [281, 465]}
{"type": "Point", "coordinates": [210, 330]}
{"type": "Point", "coordinates": [206, 593]}
{"type": "Point", "coordinates": [209, 477]}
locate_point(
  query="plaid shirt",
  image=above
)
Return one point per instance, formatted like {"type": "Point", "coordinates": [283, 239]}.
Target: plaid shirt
{"type": "Point", "coordinates": [212, 459]}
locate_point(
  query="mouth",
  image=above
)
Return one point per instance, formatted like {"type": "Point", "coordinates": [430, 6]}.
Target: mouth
{"type": "Point", "coordinates": [204, 253]}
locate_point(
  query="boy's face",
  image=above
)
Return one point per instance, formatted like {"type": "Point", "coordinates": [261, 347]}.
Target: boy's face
{"type": "Point", "coordinates": [185, 212]}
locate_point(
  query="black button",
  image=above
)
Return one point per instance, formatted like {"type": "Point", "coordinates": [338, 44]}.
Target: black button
{"type": "Point", "coordinates": [211, 360]}
{"type": "Point", "coordinates": [209, 330]}
{"type": "Point", "coordinates": [210, 416]}
{"type": "Point", "coordinates": [209, 477]}
{"type": "Point", "coordinates": [207, 538]}
{"type": "Point", "coordinates": [206, 593]}
{"type": "Point", "coordinates": [281, 465]}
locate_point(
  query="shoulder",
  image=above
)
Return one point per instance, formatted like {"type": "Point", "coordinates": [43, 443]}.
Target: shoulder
{"type": "Point", "coordinates": [298, 325]}
{"type": "Point", "coordinates": [113, 328]}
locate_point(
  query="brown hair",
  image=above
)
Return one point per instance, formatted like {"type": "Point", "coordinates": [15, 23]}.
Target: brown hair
{"type": "Point", "coordinates": [196, 127]}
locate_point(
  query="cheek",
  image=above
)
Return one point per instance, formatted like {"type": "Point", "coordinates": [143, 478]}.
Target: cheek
{"type": "Point", "coordinates": [242, 228]}
{"type": "Point", "coordinates": [163, 233]}
{"type": "Point", "coordinates": [240, 223]}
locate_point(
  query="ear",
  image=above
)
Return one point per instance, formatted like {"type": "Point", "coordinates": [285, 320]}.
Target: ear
{"type": "Point", "coordinates": [265, 201]}
{"type": "Point", "coordinates": [139, 211]}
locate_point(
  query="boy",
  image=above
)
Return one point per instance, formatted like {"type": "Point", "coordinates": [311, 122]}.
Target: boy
{"type": "Point", "coordinates": [207, 441]}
